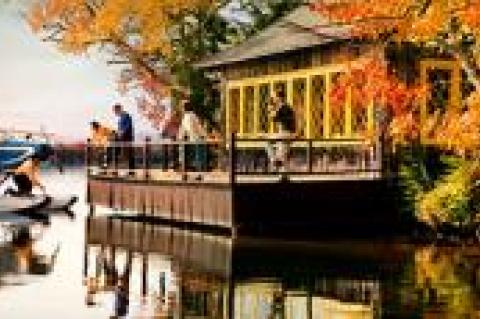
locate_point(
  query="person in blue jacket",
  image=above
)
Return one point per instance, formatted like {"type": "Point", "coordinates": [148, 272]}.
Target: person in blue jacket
{"type": "Point", "coordinates": [125, 134]}
{"type": "Point", "coordinates": [125, 131]}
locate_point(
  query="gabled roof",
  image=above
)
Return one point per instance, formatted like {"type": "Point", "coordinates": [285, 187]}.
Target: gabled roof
{"type": "Point", "coordinates": [300, 29]}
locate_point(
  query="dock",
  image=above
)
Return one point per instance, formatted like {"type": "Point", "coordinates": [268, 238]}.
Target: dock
{"type": "Point", "coordinates": [325, 184]}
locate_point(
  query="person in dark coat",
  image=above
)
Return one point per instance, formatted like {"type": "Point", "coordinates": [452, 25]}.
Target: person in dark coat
{"type": "Point", "coordinates": [283, 116]}
{"type": "Point", "coordinates": [125, 134]}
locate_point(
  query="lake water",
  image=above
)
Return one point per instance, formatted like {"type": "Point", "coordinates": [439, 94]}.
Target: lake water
{"type": "Point", "coordinates": [94, 267]}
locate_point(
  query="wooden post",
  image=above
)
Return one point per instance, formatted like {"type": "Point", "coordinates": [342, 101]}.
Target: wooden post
{"type": "Point", "coordinates": [85, 247]}
{"type": "Point", "coordinates": [231, 299]}
{"type": "Point", "coordinates": [89, 193]}
{"type": "Point", "coordinates": [308, 107]}
{"type": "Point", "coordinates": [110, 194]}
{"type": "Point", "coordinates": [87, 156]}
{"type": "Point", "coordinates": [91, 209]}
{"type": "Point", "coordinates": [115, 158]}
{"type": "Point", "coordinates": [310, 156]}
{"type": "Point", "coordinates": [327, 113]}
{"type": "Point", "coordinates": [232, 159]}
{"type": "Point", "coordinates": [183, 166]}
{"type": "Point", "coordinates": [256, 109]}
{"type": "Point", "coordinates": [144, 274]}
{"type": "Point", "coordinates": [146, 158]}
{"type": "Point", "coordinates": [242, 110]}
{"type": "Point", "coordinates": [271, 124]}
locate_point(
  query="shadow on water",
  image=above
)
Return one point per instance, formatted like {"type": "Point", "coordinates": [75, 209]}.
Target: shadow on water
{"type": "Point", "coordinates": [156, 271]}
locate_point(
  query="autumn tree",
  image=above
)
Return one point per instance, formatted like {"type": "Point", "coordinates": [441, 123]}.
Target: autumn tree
{"type": "Point", "coordinates": [443, 28]}
{"type": "Point", "coordinates": [154, 41]}
{"type": "Point", "coordinates": [265, 12]}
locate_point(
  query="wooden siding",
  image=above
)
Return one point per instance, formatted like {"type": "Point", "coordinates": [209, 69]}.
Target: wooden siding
{"type": "Point", "coordinates": [183, 203]}
{"type": "Point", "coordinates": [327, 207]}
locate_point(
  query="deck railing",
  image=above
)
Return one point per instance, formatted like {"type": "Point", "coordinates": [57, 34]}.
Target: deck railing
{"type": "Point", "coordinates": [237, 158]}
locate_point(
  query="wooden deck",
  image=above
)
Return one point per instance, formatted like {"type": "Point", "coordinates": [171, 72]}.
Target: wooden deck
{"type": "Point", "coordinates": [323, 189]}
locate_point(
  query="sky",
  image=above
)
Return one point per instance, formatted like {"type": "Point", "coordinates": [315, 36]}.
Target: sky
{"type": "Point", "coordinates": [41, 88]}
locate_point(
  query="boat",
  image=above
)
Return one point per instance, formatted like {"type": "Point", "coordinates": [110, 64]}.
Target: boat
{"type": "Point", "coordinates": [13, 152]}
{"type": "Point", "coordinates": [13, 156]}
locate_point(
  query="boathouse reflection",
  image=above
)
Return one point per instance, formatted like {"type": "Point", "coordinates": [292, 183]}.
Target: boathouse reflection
{"type": "Point", "coordinates": [182, 273]}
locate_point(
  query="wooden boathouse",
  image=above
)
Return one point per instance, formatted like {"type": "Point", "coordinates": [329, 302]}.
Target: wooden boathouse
{"type": "Point", "coordinates": [336, 178]}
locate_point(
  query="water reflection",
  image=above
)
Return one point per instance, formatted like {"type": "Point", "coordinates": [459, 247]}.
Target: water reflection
{"type": "Point", "coordinates": [168, 272]}
{"type": "Point", "coordinates": [22, 254]}
{"type": "Point", "coordinates": [100, 267]}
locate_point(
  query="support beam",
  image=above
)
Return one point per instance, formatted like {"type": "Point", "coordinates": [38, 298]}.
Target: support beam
{"type": "Point", "coordinates": [308, 107]}
{"type": "Point", "coordinates": [242, 110]}
{"type": "Point", "coordinates": [326, 114]}
{"type": "Point", "coordinates": [256, 109]}
{"type": "Point", "coordinates": [271, 125]}
{"type": "Point", "coordinates": [144, 274]}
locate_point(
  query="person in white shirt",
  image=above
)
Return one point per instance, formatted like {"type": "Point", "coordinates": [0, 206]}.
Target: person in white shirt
{"type": "Point", "coordinates": [167, 109]}
{"type": "Point", "coordinates": [191, 130]}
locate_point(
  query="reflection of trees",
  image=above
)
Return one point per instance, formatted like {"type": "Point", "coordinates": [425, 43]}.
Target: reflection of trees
{"type": "Point", "coordinates": [202, 295]}
{"type": "Point", "coordinates": [441, 281]}
{"type": "Point", "coordinates": [25, 259]}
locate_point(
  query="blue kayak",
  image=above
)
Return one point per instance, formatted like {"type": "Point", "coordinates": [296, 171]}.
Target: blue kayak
{"type": "Point", "coordinates": [14, 152]}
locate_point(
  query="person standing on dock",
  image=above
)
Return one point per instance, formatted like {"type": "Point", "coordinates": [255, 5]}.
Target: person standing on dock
{"type": "Point", "coordinates": [283, 115]}
{"type": "Point", "coordinates": [192, 131]}
{"type": "Point", "coordinates": [26, 177]}
{"type": "Point", "coordinates": [125, 134]}
{"type": "Point", "coordinates": [101, 137]}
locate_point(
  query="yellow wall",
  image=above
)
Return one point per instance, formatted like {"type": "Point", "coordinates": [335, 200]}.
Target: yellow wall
{"type": "Point", "coordinates": [308, 91]}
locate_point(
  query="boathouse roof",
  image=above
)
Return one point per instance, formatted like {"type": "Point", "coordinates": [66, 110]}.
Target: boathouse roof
{"type": "Point", "coordinates": [298, 30]}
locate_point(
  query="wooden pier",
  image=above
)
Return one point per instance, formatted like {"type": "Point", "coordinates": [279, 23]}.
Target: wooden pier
{"type": "Point", "coordinates": [327, 185]}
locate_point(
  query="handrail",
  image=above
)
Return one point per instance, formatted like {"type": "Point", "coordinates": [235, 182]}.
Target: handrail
{"type": "Point", "coordinates": [233, 157]}
{"type": "Point", "coordinates": [318, 141]}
